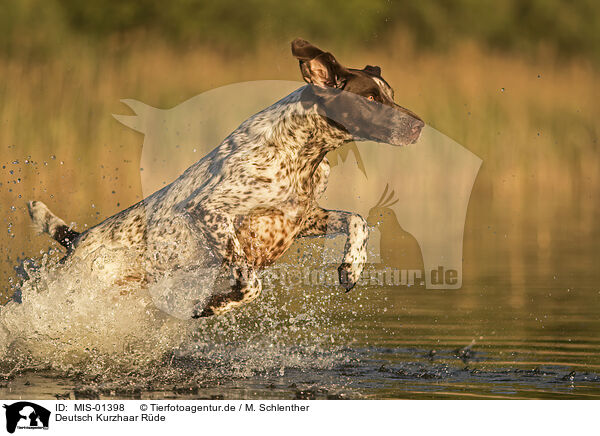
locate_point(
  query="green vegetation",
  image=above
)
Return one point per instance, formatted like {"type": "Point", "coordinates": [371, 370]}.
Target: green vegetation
{"type": "Point", "coordinates": [564, 27]}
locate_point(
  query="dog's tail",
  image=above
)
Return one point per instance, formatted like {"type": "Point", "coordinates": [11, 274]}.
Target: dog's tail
{"type": "Point", "coordinates": [45, 221]}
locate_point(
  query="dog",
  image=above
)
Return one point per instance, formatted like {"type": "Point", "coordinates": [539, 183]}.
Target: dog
{"type": "Point", "coordinates": [242, 205]}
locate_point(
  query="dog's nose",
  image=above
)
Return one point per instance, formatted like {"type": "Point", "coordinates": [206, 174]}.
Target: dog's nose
{"type": "Point", "coordinates": [416, 125]}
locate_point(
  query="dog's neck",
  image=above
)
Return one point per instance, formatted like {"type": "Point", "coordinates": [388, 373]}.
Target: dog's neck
{"type": "Point", "coordinates": [295, 127]}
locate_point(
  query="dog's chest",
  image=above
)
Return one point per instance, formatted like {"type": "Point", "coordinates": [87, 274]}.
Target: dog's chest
{"type": "Point", "coordinates": [266, 233]}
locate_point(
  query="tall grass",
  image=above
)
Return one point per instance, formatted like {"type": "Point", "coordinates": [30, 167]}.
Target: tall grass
{"type": "Point", "coordinates": [534, 123]}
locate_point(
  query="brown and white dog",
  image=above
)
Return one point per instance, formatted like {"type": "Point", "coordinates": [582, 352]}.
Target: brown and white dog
{"type": "Point", "coordinates": [242, 205]}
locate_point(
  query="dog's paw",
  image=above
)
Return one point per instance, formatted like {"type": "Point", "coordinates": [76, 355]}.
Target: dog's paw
{"type": "Point", "coordinates": [349, 275]}
{"type": "Point", "coordinates": [202, 313]}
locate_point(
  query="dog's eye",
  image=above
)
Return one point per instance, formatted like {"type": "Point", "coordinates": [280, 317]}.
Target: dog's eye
{"type": "Point", "coordinates": [371, 98]}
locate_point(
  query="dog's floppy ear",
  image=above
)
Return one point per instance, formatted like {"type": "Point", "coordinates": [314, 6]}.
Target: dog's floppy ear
{"type": "Point", "coordinates": [318, 67]}
{"type": "Point", "coordinates": [375, 71]}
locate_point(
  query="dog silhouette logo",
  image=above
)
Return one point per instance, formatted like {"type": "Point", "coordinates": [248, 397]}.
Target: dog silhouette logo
{"type": "Point", "coordinates": [26, 415]}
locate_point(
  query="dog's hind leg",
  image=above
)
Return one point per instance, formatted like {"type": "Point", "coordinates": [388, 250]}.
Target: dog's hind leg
{"type": "Point", "coordinates": [206, 216]}
{"type": "Point", "coordinates": [45, 221]}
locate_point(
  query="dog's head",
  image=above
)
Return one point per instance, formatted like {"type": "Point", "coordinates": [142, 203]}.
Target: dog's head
{"type": "Point", "coordinates": [358, 101]}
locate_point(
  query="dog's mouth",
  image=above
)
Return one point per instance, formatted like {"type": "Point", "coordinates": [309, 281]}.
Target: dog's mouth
{"type": "Point", "coordinates": [415, 130]}
{"type": "Point", "coordinates": [403, 137]}
{"type": "Point", "coordinates": [415, 136]}
{"type": "Point", "coordinates": [406, 130]}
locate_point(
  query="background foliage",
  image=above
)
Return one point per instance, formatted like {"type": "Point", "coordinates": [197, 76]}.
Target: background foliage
{"type": "Point", "coordinates": [567, 28]}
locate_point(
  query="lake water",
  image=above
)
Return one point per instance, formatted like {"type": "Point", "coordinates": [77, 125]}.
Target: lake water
{"type": "Point", "coordinates": [527, 333]}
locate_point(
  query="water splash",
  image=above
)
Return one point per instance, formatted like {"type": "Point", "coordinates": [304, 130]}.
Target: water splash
{"type": "Point", "coordinates": [70, 322]}
{"type": "Point", "coordinates": [68, 318]}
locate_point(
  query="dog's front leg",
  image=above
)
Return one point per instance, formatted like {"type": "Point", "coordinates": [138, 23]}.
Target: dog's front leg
{"type": "Point", "coordinates": [330, 222]}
